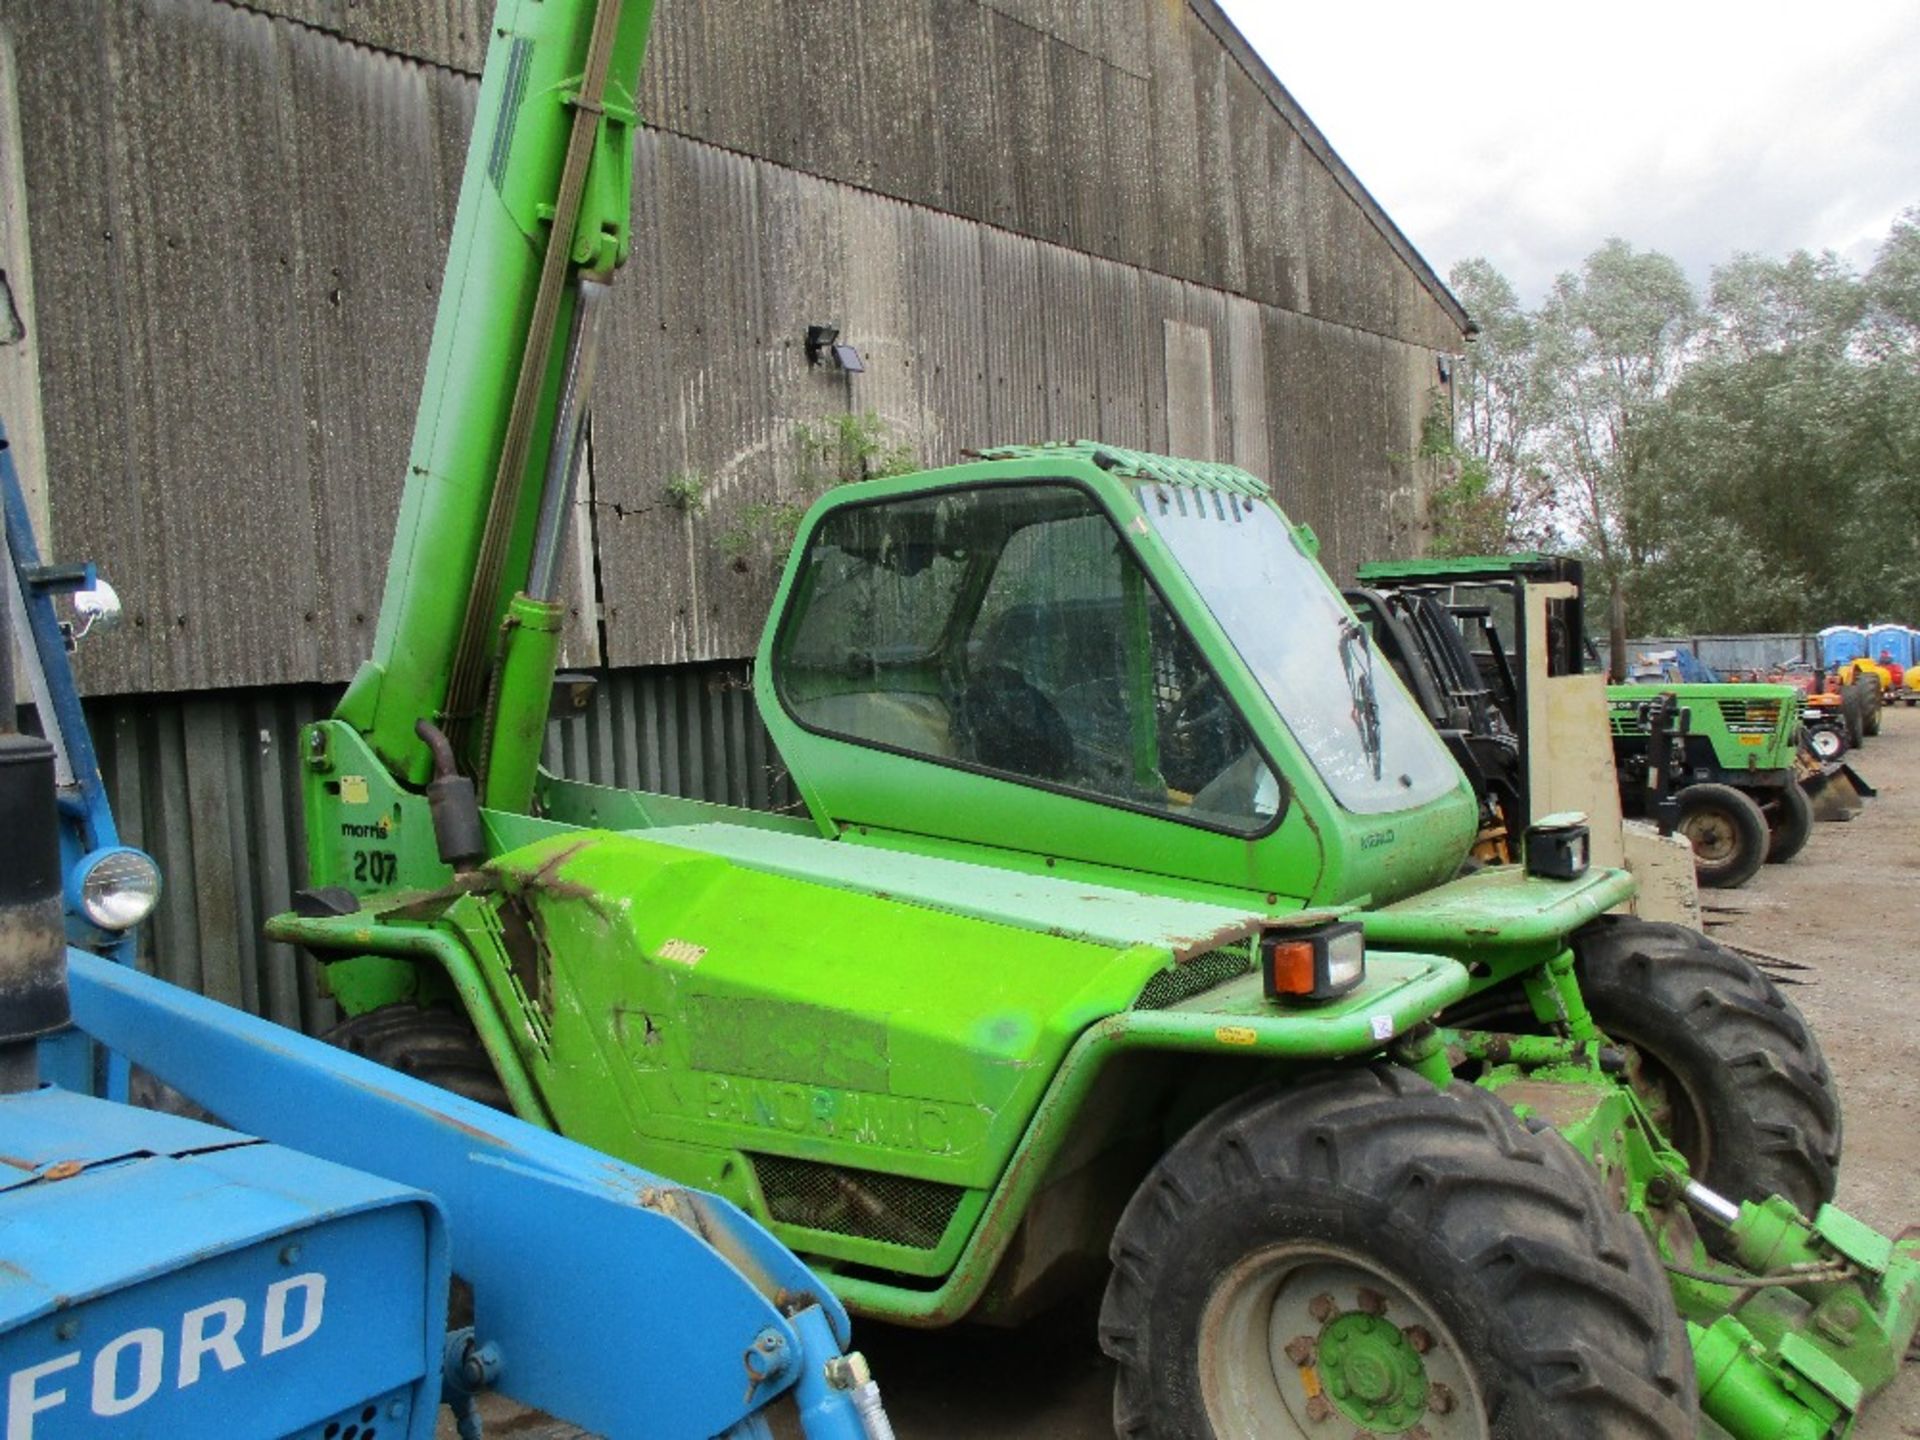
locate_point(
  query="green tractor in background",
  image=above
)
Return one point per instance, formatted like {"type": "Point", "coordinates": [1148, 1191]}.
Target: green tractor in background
{"type": "Point", "coordinates": [1123, 941]}
{"type": "Point", "coordinates": [1460, 632]}
{"type": "Point", "coordinates": [1733, 770]}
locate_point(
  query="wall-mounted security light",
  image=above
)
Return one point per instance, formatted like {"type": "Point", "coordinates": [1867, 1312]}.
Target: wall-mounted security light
{"type": "Point", "coordinates": [1446, 370]}
{"type": "Point", "coordinates": [824, 343]}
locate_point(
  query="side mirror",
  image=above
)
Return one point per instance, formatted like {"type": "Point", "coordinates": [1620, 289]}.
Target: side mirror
{"type": "Point", "coordinates": [97, 605]}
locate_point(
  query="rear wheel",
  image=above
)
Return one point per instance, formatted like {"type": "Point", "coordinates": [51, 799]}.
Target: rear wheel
{"type": "Point", "coordinates": [435, 1044]}
{"type": "Point", "coordinates": [1853, 712]}
{"type": "Point", "coordinates": [1363, 1253]}
{"type": "Point", "coordinates": [1789, 822]}
{"type": "Point", "coordinates": [1729, 1068]}
{"type": "Point", "coordinates": [1727, 831]}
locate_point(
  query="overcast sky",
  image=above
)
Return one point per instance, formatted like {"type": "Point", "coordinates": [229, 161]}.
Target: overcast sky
{"type": "Point", "coordinates": [1528, 132]}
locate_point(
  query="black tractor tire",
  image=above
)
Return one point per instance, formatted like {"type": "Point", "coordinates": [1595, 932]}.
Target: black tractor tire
{"type": "Point", "coordinates": [1547, 1300]}
{"type": "Point", "coordinates": [1853, 713]}
{"type": "Point", "coordinates": [1871, 706]}
{"type": "Point", "coordinates": [433, 1043]}
{"type": "Point", "coordinates": [1728, 834]}
{"type": "Point", "coordinates": [1789, 821]}
{"type": "Point", "coordinates": [1748, 1096]}
{"type": "Point", "coordinates": [1827, 742]}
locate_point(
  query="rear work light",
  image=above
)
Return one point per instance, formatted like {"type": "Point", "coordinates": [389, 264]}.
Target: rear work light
{"type": "Point", "coordinates": [1558, 847]}
{"type": "Point", "coordinates": [1312, 964]}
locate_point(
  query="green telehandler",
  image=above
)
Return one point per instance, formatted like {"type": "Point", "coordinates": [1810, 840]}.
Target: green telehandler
{"type": "Point", "coordinates": [1122, 939]}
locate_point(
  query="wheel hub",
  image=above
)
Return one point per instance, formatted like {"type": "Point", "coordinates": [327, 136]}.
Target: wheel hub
{"type": "Point", "coordinates": [1372, 1372]}
{"type": "Point", "coordinates": [1711, 834]}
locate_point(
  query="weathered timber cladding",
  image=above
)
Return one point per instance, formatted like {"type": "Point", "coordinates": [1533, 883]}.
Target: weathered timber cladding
{"type": "Point", "coordinates": [237, 215]}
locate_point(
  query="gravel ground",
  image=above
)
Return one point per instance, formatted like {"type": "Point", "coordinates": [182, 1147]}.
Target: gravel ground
{"type": "Point", "coordinates": [1848, 908]}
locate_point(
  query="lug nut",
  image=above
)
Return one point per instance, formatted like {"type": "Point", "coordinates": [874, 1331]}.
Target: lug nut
{"type": "Point", "coordinates": [1319, 1409]}
{"type": "Point", "coordinates": [1300, 1350]}
{"type": "Point", "coordinates": [1440, 1399]}
{"type": "Point", "coordinates": [1371, 1302]}
{"type": "Point", "coordinates": [1322, 1308]}
{"type": "Point", "coordinates": [1418, 1338]}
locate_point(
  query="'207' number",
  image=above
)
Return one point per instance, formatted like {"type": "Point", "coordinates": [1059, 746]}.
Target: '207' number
{"type": "Point", "coordinates": [375, 867]}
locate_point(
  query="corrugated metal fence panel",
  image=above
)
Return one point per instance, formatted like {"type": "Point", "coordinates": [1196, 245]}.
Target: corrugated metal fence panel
{"type": "Point", "coordinates": [1735, 652]}
{"type": "Point", "coordinates": [209, 784]}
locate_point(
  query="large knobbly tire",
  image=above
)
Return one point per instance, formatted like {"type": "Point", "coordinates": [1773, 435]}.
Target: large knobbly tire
{"type": "Point", "coordinates": [1496, 1244]}
{"type": "Point", "coordinates": [1728, 834]}
{"type": "Point", "coordinates": [1853, 714]}
{"type": "Point", "coordinates": [1789, 822]}
{"type": "Point", "coordinates": [434, 1044]}
{"type": "Point", "coordinates": [1746, 1091]}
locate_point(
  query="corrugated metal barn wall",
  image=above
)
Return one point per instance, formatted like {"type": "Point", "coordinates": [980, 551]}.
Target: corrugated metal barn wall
{"type": "Point", "coordinates": [1035, 218]}
{"type": "Point", "coordinates": [237, 223]}
{"type": "Point", "coordinates": [209, 784]}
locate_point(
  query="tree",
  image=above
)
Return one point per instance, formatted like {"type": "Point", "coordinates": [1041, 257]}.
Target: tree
{"type": "Point", "coordinates": [1500, 485]}
{"type": "Point", "coordinates": [1609, 343]}
{"type": "Point", "coordinates": [1752, 463]}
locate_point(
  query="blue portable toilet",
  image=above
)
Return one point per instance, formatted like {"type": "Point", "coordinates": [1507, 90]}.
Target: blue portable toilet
{"type": "Point", "coordinates": [1895, 642]}
{"type": "Point", "coordinates": [1841, 643]}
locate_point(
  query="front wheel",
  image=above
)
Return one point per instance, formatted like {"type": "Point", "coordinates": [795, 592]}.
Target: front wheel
{"type": "Point", "coordinates": [1730, 1070]}
{"type": "Point", "coordinates": [1364, 1253]}
{"type": "Point", "coordinates": [1827, 742]}
{"type": "Point", "coordinates": [1789, 822]}
{"type": "Point", "coordinates": [1728, 834]}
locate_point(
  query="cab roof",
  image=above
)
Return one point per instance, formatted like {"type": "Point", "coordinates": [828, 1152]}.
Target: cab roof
{"type": "Point", "coordinates": [1139, 465]}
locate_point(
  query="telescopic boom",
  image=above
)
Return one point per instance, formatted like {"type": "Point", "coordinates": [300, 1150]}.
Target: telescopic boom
{"type": "Point", "coordinates": [469, 623]}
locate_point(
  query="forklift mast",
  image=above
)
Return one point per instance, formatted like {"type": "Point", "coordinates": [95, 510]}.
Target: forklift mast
{"type": "Point", "coordinates": [469, 626]}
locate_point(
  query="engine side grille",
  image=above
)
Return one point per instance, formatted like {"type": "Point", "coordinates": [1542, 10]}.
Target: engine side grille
{"type": "Point", "coordinates": [866, 1204]}
{"type": "Point", "coordinates": [1750, 717]}
{"type": "Point", "coordinates": [1203, 972]}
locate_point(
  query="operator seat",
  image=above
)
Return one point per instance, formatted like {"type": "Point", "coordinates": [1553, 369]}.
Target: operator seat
{"type": "Point", "coordinates": [1005, 723]}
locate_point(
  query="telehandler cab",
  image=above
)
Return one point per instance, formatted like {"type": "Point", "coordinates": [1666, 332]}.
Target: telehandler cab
{"type": "Point", "coordinates": [1121, 937]}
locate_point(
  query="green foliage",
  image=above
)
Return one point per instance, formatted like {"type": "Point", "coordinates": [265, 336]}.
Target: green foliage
{"type": "Point", "coordinates": [843, 449]}
{"type": "Point", "coordinates": [686, 491]}
{"type": "Point", "coordinates": [833, 450]}
{"type": "Point", "coordinates": [1469, 515]}
{"type": "Point", "coordinates": [1750, 461]}
{"type": "Point", "coordinates": [759, 528]}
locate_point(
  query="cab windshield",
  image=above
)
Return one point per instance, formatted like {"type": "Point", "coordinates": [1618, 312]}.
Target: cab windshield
{"type": "Point", "coordinates": [1317, 664]}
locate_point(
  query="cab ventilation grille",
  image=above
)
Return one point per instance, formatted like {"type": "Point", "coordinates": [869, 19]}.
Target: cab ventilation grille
{"type": "Point", "coordinates": [1203, 972]}
{"type": "Point", "coordinates": [865, 1204]}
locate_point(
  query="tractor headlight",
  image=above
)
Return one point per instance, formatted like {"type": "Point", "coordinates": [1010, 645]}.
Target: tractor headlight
{"type": "Point", "coordinates": [1559, 847]}
{"type": "Point", "coordinates": [1314, 965]}
{"type": "Point", "coordinates": [115, 888]}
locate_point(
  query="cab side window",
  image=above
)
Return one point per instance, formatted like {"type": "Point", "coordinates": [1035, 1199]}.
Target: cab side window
{"type": "Point", "coordinates": [1010, 629]}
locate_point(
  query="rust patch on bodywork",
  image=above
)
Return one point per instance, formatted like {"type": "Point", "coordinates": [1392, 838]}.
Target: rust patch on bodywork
{"type": "Point", "coordinates": [1186, 948]}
